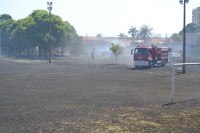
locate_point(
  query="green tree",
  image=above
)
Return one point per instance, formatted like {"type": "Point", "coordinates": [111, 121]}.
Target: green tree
{"type": "Point", "coordinates": [176, 37]}
{"type": "Point", "coordinates": [21, 37]}
{"type": "Point", "coordinates": [6, 27]}
{"type": "Point", "coordinates": [191, 28]}
{"type": "Point", "coordinates": [71, 40]}
{"type": "Point", "coordinates": [145, 33]}
{"type": "Point", "coordinates": [63, 33]}
{"type": "Point", "coordinates": [76, 47]}
{"type": "Point", "coordinates": [134, 32]}
{"type": "Point", "coordinates": [25, 35]}
{"type": "Point", "coordinates": [40, 34]}
{"type": "Point", "coordinates": [117, 50]}
{"type": "Point", "coordinates": [5, 17]}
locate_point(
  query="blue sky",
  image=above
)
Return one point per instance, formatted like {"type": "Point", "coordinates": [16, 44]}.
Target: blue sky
{"type": "Point", "coordinates": [109, 17]}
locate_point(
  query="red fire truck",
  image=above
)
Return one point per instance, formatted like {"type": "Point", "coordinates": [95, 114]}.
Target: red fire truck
{"type": "Point", "coordinates": [150, 56]}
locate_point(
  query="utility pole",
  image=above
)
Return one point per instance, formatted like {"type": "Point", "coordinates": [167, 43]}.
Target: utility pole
{"type": "Point", "coordinates": [49, 7]}
{"type": "Point", "coordinates": [184, 38]}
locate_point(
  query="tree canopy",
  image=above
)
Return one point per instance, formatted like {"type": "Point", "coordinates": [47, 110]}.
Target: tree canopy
{"type": "Point", "coordinates": [145, 33]}
{"type": "Point", "coordinates": [176, 37]}
{"type": "Point", "coordinates": [122, 36]}
{"type": "Point", "coordinates": [191, 28]}
{"type": "Point", "coordinates": [4, 17]}
{"type": "Point", "coordinates": [99, 36]}
{"type": "Point", "coordinates": [27, 35]}
{"type": "Point", "coordinates": [134, 32]}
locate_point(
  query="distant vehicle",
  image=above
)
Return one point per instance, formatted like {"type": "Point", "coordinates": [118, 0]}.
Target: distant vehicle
{"type": "Point", "coordinates": [150, 56]}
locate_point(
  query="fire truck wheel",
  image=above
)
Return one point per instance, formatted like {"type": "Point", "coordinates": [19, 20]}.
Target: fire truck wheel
{"type": "Point", "coordinates": [150, 64]}
{"type": "Point", "coordinates": [162, 65]}
{"type": "Point", "coordinates": [136, 67]}
{"type": "Point", "coordinates": [153, 63]}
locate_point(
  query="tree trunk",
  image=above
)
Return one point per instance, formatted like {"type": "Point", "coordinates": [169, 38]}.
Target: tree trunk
{"type": "Point", "coordinates": [46, 53]}
{"type": "Point", "coordinates": [40, 52]}
{"type": "Point", "coordinates": [62, 50]}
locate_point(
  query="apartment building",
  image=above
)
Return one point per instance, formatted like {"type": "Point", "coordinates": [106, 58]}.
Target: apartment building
{"type": "Point", "coordinates": [196, 15]}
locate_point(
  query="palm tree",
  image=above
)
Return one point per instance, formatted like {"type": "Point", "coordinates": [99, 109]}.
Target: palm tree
{"type": "Point", "coordinates": [134, 32]}
{"type": "Point", "coordinates": [145, 33]}
{"type": "Point", "coordinates": [122, 36]}
{"type": "Point", "coordinates": [99, 36]}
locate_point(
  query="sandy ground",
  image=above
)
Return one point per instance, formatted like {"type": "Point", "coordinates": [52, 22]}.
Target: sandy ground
{"type": "Point", "coordinates": [75, 95]}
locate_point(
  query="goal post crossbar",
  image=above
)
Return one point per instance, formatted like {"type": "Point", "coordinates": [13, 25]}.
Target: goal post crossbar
{"type": "Point", "coordinates": [182, 64]}
{"type": "Point", "coordinates": [173, 76]}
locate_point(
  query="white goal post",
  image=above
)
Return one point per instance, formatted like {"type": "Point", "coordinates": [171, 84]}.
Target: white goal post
{"type": "Point", "coordinates": [173, 77]}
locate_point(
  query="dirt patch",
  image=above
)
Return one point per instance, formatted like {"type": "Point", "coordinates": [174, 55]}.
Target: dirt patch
{"type": "Point", "coordinates": [129, 119]}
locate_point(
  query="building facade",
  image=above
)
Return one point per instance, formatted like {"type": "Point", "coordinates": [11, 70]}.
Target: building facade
{"type": "Point", "coordinates": [196, 15]}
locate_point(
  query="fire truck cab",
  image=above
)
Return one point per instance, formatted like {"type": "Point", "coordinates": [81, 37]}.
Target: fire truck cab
{"type": "Point", "coordinates": [150, 56]}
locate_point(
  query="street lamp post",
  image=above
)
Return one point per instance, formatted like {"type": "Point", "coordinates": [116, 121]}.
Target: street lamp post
{"type": "Point", "coordinates": [184, 2]}
{"type": "Point", "coordinates": [49, 7]}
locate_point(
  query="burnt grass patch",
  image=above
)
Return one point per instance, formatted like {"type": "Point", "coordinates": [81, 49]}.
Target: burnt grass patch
{"type": "Point", "coordinates": [81, 97]}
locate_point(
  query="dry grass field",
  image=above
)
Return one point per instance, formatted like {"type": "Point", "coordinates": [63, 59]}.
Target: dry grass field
{"type": "Point", "coordinates": [72, 95]}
